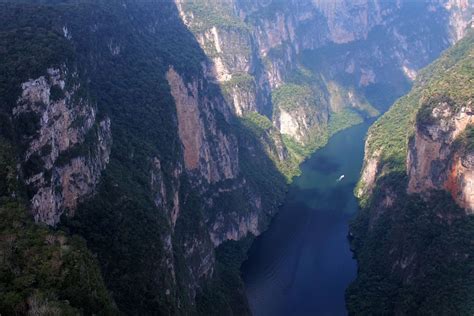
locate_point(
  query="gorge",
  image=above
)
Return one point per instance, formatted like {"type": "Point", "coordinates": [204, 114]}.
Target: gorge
{"type": "Point", "coordinates": [303, 264]}
{"type": "Point", "coordinates": [144, 145]}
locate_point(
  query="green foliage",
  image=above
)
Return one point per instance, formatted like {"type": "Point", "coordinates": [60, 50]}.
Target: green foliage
{"type": "Point", "coordinates": [257, 123]}
{"type": "Point", "coordinates": [225, 294]}
{"type": "Point", "coordinates": [243, 82]}
{"type": "Point", "coordinates": [342, 120]}
{"type": "Point", "coordinates": [262, 128]}
{"type": "Point", "coordinates": [131, 89]}
{"type": "Point", "coordinates": [8, 176]}
{"type": "Point", "coordinates": [450, 77]}
{"type": "Point", "coordinates": [56, 93]}
{"type": "Point", "coordinates": [465, 141]}
{"type": "Point", "coordinates": [45, 269]}
{"type": "Point", "coordinates": [415, 254]}
{"type": "Point", "coordinates": [27, 46]}
{"type": "Point", "coordinates": [411, 258]}
{"type": "Point", "coordinates": [257, 167]}
{"type": "Point", "coordinates": [291, 96]}
{"type": "Point", "coordinates": [266, 10]}
{"type": "Point", "coordinates": [342, 97]}
{"type": "Point", "coordinates": [212, 13]}
{"type": "Point", "coordinates": [28, 123]}
{"type": "Point", "coordinates": [85, 149]}
{"type": "Point", "coordinates": [42, 270]}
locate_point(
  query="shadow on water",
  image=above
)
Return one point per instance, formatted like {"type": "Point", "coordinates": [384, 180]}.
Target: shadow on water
{"type": "Point", "coordinates": [303, 264]}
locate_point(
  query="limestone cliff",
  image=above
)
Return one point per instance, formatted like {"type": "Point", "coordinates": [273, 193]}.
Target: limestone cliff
{"type": "Point", "coordinates": [197, 128]}
{"type": "Point", "coordinates": [162, 128]}
{"type": "Point", "coordinates": [211, 157]}
{"type": "Point", "coordinates": [64, 156]}
{"type": "Point", "coordinates": [342, 50]}
{"type": "Point", "coordinates": [460, 18]}
{"type": "Point", "coordinates": [435, 161]}
{"type": "Point", "coordinates": [416, 193]}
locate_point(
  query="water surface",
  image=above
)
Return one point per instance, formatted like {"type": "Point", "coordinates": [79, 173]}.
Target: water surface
{"type": "Point", "coordinates": [303, 264]}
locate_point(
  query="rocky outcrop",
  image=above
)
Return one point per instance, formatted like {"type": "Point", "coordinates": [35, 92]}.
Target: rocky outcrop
{"type": "Point", "coordinates": [207, 150]}
{"type": "Point", "coordinates": [66, 146]}
{"type": "Point", "coordinates": [363, 16]}
{"type": "Point", "coordinates": [460, 180]}
{"type": "Point", "coordinates": [416, 195]}
{"type": "Point", "coordinates": [299, 123]}
{"type": "Point", "coordinates": [460, 17]}
{"type": "Point", "coordinates": [238, 225]}
{"type": "Point", "coordinates": [434, 161]}
{"type": "Point", "coordinates": [255, 48]}
{"type": "Point", "coordinates": [210, 154]}
{"type": "Point", "coordinates": [162, 194]}
{"type": "Point", "coordinates": [369, 174]}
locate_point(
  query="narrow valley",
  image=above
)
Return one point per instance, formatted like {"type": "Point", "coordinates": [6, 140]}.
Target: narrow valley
{"type": "Point", "coordinates": [236, 157]}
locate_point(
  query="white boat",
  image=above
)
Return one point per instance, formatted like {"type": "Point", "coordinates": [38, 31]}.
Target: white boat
{"type": "Point", "coordinates": [340, 178]}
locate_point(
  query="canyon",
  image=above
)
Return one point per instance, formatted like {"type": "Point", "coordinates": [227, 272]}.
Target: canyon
{"type": "Point", "coordinates": [415, 192]}
{"type": "Point", "coordinates": [164, 134]}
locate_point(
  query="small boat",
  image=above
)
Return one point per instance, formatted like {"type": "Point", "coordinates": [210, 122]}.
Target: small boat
{"type": "Point", "coordinates": [340, 178]}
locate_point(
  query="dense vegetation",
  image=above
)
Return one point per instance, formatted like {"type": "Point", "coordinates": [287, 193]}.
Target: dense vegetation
{"type": "Point", "coordinates": [225, 295]}
{"type": "Point", "coordinates": [208, 14]}
{"type": "Point", "coordinates": [272, 143]}
{"type": "Point", "coordinates": [46, 272]}
{"type": "Point", "coordinates": [415, 255]}
{"type": "Point", "coordinates": [291, 96]}
{"type": "Point", "coordinates": [411, 259]}
{"type": "Point", "coordinates": [43, 270]}
{"type": "Point", "coordinates": [450, 77]}
{"type": "Point", "coordinates": [122, 55]}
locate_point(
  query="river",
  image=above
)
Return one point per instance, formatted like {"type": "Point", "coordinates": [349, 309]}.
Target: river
{"type": "Point", "coordinates": [302, 264]}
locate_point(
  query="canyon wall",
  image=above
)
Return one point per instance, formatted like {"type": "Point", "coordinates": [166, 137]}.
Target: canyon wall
{"type": "Point", "coordinates": [166, 131]}
{"type": "Point", "coordinates": [267, 54]}
{"type": "Point", "coordinates": [416, 193]}
{"type": "Point", "coordinates": [68, 150]}
{"type": "Point", "coordinates": [436, 159]}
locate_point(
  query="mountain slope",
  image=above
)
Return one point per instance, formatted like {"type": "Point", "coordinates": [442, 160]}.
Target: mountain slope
{"type": "Point", "coordinates": [161, 135]}
{"type": "Point", "coordinates": [105, 150]}
{"type": "Point", "coordinates": [412, 238]}
{"type": "Point", "coordinates": [314, 67]}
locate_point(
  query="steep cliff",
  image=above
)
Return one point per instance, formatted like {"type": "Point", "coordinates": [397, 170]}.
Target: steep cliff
{"type": "Point", "coordinates": [412, 235]}
{"type": "Point", "coordinates": [121, 127]}
{"type": "Point", "coordinates": [163, 133]}
{"type": "Point", "coordinates": [65, 155]}
{"type": "Point", "coordinates": [437, 157]}
{"type": "Point", "coordinates": [325, 61]}
{"type": "Point", "coordinates": [53, 148]}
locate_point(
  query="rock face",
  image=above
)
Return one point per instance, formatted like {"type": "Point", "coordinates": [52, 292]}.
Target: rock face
{"type": "Point", "coordinates": [214, 163]}
{"type": "Point", "coordinates": [364, 15]}
{"type": "Point", "coordinates": [435, 161]}
{"type": "Point", "coordinates": [68, 148]}
{"type": "Point", "coordinates": [460, 182]}
{"type": "Point", "coordinates": [200, 99]}
{"type": "Point", "coordinates": [369, 174]}
{"type": "Point", "coordinates": [416, 193]}
{"type": "Point", "coordinates": [212, 154]}
{"type": "Point", "coordinates": [298, 123]}
{"type": "Point", "coordinates": [461, 17]}
{"type": "Point", "coordinates": [256, 47]}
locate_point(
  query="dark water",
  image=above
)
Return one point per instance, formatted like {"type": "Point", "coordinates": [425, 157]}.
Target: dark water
{"type": "Point", "coordinates": [303, 264]}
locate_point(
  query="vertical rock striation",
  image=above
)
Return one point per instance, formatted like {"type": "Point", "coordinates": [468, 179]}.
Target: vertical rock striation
{"type": "Point", "coordinates": [66, 149]}
{"type": "Point", "coordinates": [435, 160]}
